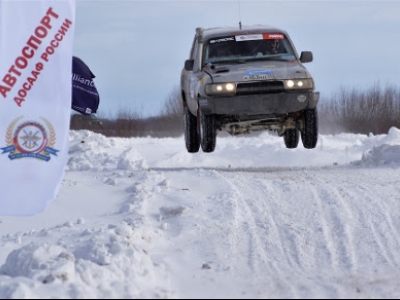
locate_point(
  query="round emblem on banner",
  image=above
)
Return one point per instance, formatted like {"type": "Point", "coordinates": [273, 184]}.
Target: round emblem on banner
{"type": "Point", "coordinates": [30, 137]}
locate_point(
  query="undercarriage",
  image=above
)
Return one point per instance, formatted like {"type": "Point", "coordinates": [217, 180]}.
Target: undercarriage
{"type": "Point", "coordinates": [236, 125]}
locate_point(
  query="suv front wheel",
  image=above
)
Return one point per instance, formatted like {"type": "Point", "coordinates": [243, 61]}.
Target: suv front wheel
{"type": "Point", "coordinates": [192, 138]}
{"type": "Point", "coordinates": [208, 132]}
{"type": "Point", "coordinates": [309, 135]}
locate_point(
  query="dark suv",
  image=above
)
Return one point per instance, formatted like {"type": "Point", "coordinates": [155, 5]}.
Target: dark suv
{"type": "Point", "coordinates": [244, 80]}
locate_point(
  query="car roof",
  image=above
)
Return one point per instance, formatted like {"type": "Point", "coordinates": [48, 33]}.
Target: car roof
{"type": "Point", "coordinates": [207, 33]}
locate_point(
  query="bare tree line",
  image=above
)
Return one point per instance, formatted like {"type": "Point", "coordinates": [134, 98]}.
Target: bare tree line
{"type": "Point", "coordinates": [373, 110]}
{"type": "Point", "coordinates": [130, 123]}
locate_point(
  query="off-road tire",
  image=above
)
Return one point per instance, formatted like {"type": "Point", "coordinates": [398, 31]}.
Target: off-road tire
{"type": "Point", "coordinates": [291, 137]}
{"type": "Point", "coordinates": [208, 132]}
{"type": "Point", "coordinates": [309, 135]}
{"type": "Point", "coordinates": [192, 138]}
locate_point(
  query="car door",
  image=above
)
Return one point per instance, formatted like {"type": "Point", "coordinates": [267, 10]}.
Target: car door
{"type": "Point", "coordinates": [195, 77]}
{"type": "Point", "coordinates": [187, 75]}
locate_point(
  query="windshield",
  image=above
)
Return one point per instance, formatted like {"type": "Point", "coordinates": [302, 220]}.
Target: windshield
{"type": "Point", "coordinates": [247, 48]}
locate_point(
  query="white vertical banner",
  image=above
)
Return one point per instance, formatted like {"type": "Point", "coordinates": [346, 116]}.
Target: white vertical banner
{"type": "Point", "coordinates": [36, 49]}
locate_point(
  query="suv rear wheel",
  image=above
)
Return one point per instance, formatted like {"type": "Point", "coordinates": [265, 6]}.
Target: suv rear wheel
{"type": "Point", "coordinates": [309, 135]}
{"type": "Point", "coordinates": [208, 132]}
{"type": "Point", "coordinates": [291, 137]}
{"type": "Point", "coordinates": [192, 138]}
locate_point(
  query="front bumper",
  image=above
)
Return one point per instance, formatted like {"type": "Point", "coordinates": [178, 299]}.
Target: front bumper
{"type": "Point", "coordinates": [268, 104]}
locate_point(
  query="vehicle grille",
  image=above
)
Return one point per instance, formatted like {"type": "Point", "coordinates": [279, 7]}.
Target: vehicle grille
{"type": "Point", "coordinates": [263, 87]}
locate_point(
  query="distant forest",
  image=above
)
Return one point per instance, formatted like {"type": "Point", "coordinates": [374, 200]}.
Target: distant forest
{"type": "Point", "coordinates": [373, 110]}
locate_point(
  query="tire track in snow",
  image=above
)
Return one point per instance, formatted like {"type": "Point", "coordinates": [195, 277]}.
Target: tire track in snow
{"type": "Point", "coordinates": [339, 219]}
{"type": "Point", "coordinates": [345, 213]}
{"type": "Point", "coordinates": [284, 243]}
{"type": "Point", "coordinates": [264, 244]}
{"type": "Point", "coordinates": [290, 230]}
{"type": "Point", "coordinates": [375, 213]}
{"type": "Point", "coordinates": [250, 224]}
{"type": "Point", "coordinates": [334, 213]}
{"type": "Point", "coordinates": [356, 221]}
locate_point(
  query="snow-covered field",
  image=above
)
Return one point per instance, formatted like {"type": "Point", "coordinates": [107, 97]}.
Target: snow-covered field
{"type": "Point", "coordinates": [142, 218]}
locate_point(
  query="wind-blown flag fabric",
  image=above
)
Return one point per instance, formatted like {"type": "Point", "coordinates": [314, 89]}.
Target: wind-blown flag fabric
{"type": "Point", "coordinates": [36, 46]}
{"type": "Point", "coordinates": [85, 97]}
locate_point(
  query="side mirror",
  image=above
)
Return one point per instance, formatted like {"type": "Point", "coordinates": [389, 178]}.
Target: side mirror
{"type": "Point", "coordinates": [306, 57]}
{"type": "Point", "coordinates": [189, 65]}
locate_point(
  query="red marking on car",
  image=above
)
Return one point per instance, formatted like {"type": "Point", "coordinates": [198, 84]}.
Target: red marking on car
{"type": "Point", "coordinates": [273, 36]}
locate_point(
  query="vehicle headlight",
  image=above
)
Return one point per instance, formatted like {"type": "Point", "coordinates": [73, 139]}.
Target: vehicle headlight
{"type": "Point", "coordinates": [295, 84]}
{"type": "Point", "coordinates": [221, 89]}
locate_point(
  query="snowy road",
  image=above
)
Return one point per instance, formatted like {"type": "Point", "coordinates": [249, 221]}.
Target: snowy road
{"type": "Point", "coordinates": [141, 218]}
{"type": "Point", "coordinates": [331, 233]}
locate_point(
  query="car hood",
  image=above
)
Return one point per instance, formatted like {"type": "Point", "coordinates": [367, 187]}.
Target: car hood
{"type": "Point", "coordinates": [266, 70]}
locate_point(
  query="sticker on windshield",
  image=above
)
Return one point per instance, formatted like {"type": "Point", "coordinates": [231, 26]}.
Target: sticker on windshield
{"type": "Point", "coordinates": [251, 37]}
{"type": "Point", "coordinates": [228, 39]}
{"type": "Point", "coordinates": [256, 37]}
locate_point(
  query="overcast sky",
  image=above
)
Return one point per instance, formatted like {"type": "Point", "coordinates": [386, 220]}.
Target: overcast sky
{"type": "Point", "coordinates": [137, 48]}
